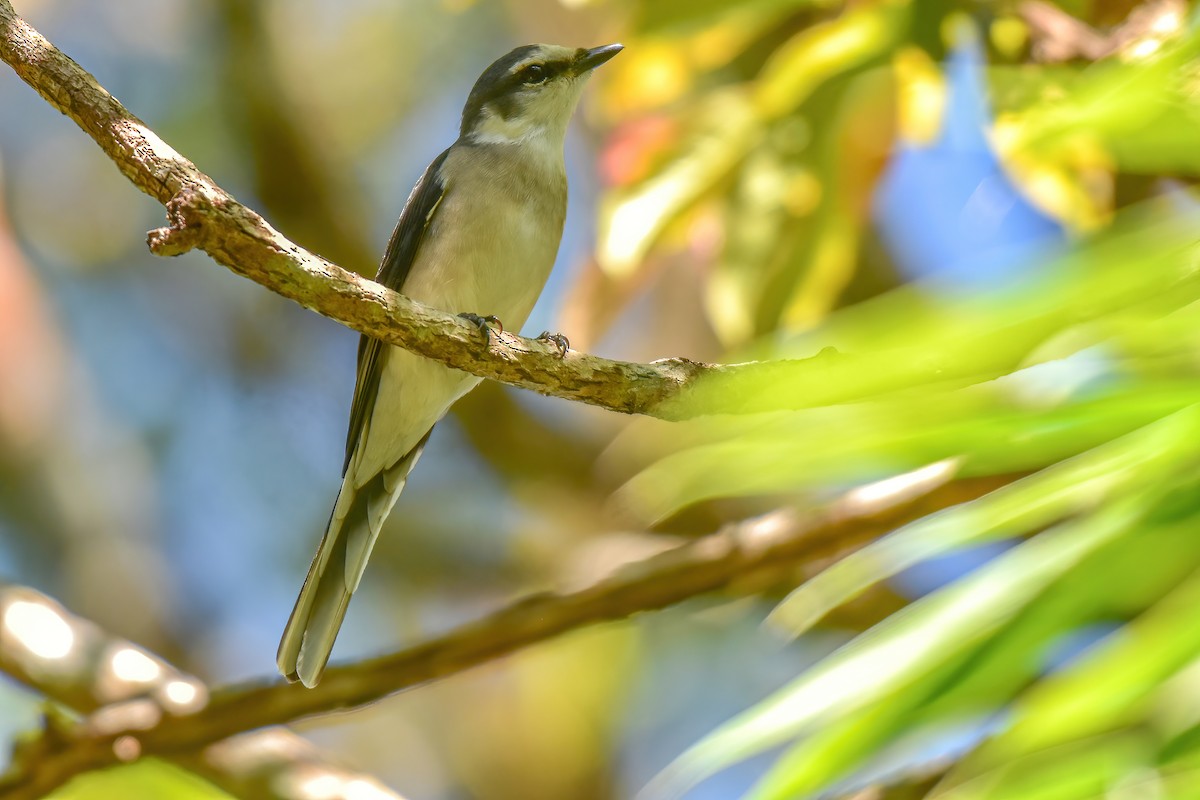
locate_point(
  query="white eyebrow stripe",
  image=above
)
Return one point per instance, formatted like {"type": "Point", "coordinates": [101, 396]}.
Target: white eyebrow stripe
{"type": "Point", "coordinates": [534, 59]}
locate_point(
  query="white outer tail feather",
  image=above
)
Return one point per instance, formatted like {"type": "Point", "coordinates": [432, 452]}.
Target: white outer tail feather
{"type": "Point", "coordinates": [336, 570]}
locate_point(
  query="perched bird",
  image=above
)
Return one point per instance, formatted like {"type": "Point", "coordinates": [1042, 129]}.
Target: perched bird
{"type": "Point", "coordinates": [479, 231]}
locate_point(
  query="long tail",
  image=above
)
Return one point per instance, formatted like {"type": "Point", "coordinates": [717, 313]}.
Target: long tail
{"type": "Point", "coordinates": [337, 568]}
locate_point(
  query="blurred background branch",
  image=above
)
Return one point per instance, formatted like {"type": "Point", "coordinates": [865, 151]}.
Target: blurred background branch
{"type": "Point", "coordinates": [744, 559]}
{"type": "Point", "coordinates": [82, 670]}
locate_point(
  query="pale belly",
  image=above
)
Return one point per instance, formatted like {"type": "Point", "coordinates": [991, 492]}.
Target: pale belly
{"type": "Point", "coordinates": [477, 275]}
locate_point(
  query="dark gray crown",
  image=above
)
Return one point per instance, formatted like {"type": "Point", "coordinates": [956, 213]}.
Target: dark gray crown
{"type": "Point", "coordinates": [497, 86]}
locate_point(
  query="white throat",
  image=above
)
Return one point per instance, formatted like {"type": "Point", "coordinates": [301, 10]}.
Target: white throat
{"type": "Point", "coordinates": [495, 129]}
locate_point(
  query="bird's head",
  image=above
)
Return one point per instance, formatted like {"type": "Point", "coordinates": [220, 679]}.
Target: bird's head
{"type": "Point", "coordinates": [530, 93]}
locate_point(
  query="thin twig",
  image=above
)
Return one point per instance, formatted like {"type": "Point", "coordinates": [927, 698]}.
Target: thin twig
{"type": "Point", "coordinates": [1058, 36]}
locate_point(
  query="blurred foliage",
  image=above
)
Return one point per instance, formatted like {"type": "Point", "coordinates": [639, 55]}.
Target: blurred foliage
{"type": "Point", "coordinates": [146, 780]}
{"type": "Point", "coordinates": [981, 214]}
{"type": "Point", "coordinates": [1064, 666]}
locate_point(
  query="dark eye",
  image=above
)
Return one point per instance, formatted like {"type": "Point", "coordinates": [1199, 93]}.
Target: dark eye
{"type": "Point", "coordinates": [534, 73]}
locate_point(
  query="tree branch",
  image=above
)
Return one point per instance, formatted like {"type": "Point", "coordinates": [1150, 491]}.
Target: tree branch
{"type": "Point", "coordinates": [743, 559]}
{"type": "Point", "coordinates": [75, 663]}
{"type": "Point", "coordinates": [204, 216]}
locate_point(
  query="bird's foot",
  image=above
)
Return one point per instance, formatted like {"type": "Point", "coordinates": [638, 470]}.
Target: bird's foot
{"type": "Point", "coordinates": [483, 323]}
{"type": "Point", "coordinates": [558, 340]}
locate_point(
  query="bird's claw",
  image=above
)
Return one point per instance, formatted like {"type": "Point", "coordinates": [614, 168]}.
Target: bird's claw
{"type": "Point", "coordinates": [558, 340]}
{"type": "Point", "coordinates": [483, 323]}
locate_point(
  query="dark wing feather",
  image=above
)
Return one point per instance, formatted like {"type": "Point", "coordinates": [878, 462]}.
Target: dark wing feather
{"type": "Point", "coordinates": [397, 261]}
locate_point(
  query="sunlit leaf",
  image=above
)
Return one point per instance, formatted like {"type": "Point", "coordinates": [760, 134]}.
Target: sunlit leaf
{"type": "Point", "coordinates": [146, 780]}
{"type": "Point", "coordinates": [1062, 128]}
{"type": "Point", "coordinates": [685, 16]}
{"type": "Point", "coordinates": [631, 221]}
{"type": "Point", "coordinates": [1131, 463]}
{"type": "Point", "coordinates": [851, 444]}
{"type": "Point", "coordinates": [837, 750]}
{"type": "Point", "coordinates": [914, 362]}
{"type": "Point", "coordinates": [1079, 772]}
{"type": "Point", "coordinates": [949, 709]}
{"type": "Point", "coordinates": [1117, 684]}
{"type": "Point", "coordinates": [930, 632]}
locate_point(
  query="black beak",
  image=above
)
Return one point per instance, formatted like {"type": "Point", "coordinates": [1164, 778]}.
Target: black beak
{"type": "Point", "coordinates": [588, 60]}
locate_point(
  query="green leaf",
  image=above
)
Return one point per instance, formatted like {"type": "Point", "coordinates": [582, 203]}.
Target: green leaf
{"type": "Point", "coordinates": [667, 17]}
{"type": "Point", "coordinates": [1130, 463]}
{"type": "Point", "coordinates": [1132, 571]}
{"type": "Point", "coordinates": [1119, 683]}
{"type": "Point", "coordinates": [633, 220]}
{"type": "Point", "coordinates": [844, 444]}
{"type": "Point", "coordinates": [1084, 771]}
{"type": "Point", "coordinates": [147, 779]}
{"type": "Point", "coordinates": [1142, 112]}
{"type": "Point", "coordinates": [901, 649]}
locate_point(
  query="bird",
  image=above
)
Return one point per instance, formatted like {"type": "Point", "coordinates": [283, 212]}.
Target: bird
{"type": "Point", "coordinates": [479, 231]}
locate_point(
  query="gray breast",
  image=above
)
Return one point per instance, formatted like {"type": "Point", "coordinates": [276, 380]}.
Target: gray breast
{"type": "Point", "coordinates": [494, 238]}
